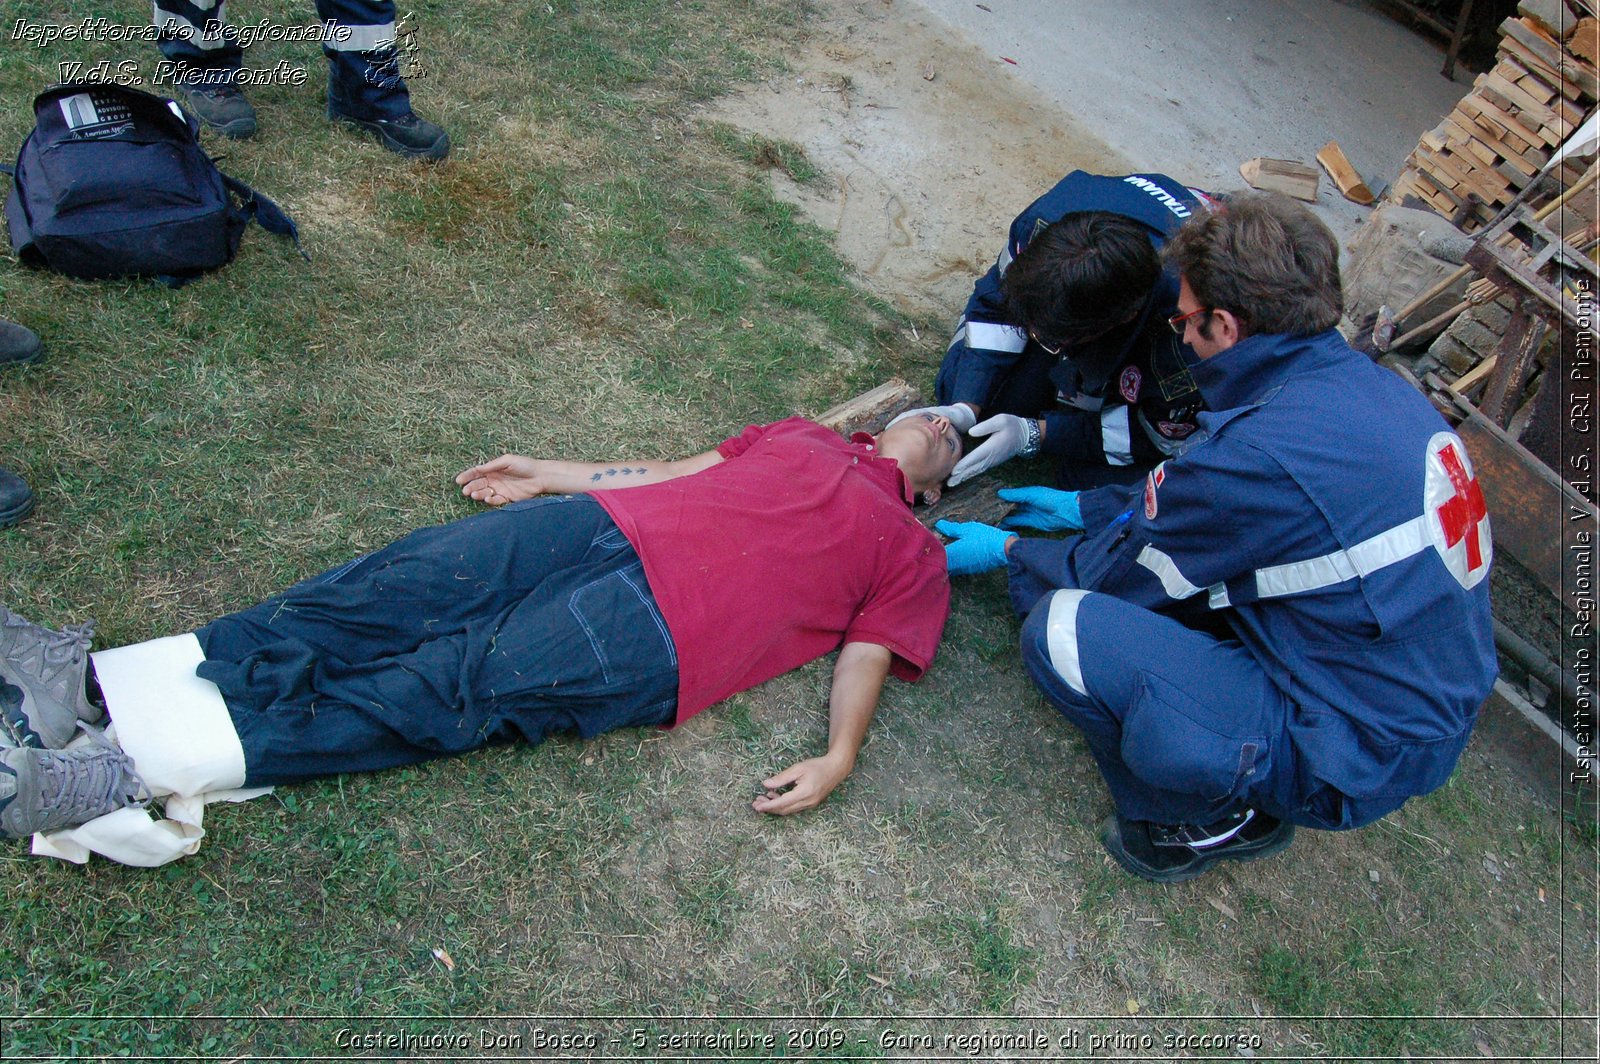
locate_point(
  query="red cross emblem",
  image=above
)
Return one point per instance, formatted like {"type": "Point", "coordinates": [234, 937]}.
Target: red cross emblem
{"type": "Point", "coordinates": [1460, 514]}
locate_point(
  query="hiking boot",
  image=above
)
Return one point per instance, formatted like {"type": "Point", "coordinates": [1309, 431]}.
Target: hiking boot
{"type": "Point", "coordinates": [19, 346]}
{"type": "Point", "coordinates": [43, 790]}
{"type": "Point", "coordinates": [411, 135]}
{"type": "Point", "coordinates": [50, 669]}
{"type": "Point", "coordinates": [1164, 853]}
{"type": "Point", "coordinates": [222, 107]}
{"type": "Point", "coordinates": [16, 498]}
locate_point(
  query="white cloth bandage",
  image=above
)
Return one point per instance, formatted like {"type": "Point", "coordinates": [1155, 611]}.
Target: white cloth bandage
{"type": "Point", "coordinates": [176, 729]}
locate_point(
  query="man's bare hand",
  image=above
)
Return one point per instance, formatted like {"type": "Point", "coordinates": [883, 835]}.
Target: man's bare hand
{"type": "Point", "coordinates": [808, 784]}
{"type": "Point", "coordinates": [509, 478]}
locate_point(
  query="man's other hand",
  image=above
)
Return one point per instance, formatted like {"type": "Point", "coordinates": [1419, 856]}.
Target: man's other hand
{"type": "Point", "coordinates": [808, 784]}
{"type": "Point", "coordinates": [509, 478]}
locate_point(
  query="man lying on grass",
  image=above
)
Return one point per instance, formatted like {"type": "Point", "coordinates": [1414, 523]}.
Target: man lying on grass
{"type": "Point", "coordinates": [596, 596]}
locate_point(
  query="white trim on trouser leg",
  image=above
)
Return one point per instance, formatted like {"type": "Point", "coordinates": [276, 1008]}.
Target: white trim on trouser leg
{"type": "Point", "coordinates": [350, 38]}
{"type": "Point", "coordinates": [173, 724]}
{"type": "Point", "coordinates": [1061, 637]}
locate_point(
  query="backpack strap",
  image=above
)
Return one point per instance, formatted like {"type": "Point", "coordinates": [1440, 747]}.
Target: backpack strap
{"type": "Point", "coordinates": [265, 213]}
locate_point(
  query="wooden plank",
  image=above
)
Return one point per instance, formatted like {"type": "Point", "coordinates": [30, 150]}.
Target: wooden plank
{"type": "Point", "coordinates": [1572, 77]}
{"type": "Point", "coordinates": [1459, 170]}
{"type": "Point", "coordinates": [1525, 500]}
{"type": "Point", "coordinates": [1281, 175]}
{"type": "Point", "coordinates": [1584, 40]}
{"type": "Point", "coordinates": [1476, 108]}
{"type": "Point", "coordinates": [1344, 175]}
{"type": "Point", "coordinates": [871, 410]}
{"type": "Point", "coordinates": [1525, 104]}
{"type": "Point", "coordinates": [1514, 117]}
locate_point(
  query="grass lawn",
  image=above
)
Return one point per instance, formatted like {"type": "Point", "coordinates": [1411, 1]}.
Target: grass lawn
{"type": "Point", "coordinates": [597, 273]}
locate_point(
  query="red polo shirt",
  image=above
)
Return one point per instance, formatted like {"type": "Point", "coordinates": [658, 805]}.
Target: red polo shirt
{"type": "Point", "coordinates": [798, 543]}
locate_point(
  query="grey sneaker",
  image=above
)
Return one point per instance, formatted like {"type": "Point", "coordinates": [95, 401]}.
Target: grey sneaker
{"type": "Point", "coordinates": [49, 668]}
{"type": "Point", "coordinates": [223, 108]}
{"type": "Point", "coordinates": [42, 790]}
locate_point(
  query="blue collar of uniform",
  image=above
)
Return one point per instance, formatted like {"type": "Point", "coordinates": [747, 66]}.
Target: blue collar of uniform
{"type": "Point", "coordinates": [1247, 371]}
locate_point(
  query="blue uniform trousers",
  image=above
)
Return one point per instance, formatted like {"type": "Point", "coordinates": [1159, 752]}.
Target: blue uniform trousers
{"type": "Point", "coordinates": [511, 624]}
{"type": "Point", "coordinates": [1185, 727]}
{"type": "Point", "coordinates": [364, 78]}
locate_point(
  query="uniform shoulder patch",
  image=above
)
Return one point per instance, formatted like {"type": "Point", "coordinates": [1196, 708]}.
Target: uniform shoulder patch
{"type": "Point", "coordinates": [1128, 384]}
{"type": "Point", "coordinates": [1152, 481]}
{"type": "Point", "coordinates": [1457, 516]}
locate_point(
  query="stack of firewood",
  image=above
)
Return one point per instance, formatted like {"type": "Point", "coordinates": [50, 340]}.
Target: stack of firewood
{"type": "Point", "coordinates": [1503, 133]}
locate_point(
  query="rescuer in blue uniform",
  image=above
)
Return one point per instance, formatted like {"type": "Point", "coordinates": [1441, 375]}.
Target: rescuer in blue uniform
{"type": "Point", "coordinates": [362, 45]}
{"type": "Point", "coordinates": [1063, 348]}
{"type": "Point", "coordinates": [1288, 622]}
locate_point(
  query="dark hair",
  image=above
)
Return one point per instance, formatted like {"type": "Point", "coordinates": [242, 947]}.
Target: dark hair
{"type": "Point", "coordinates": [1080, 276]}
{"type": "Point", "coordinates": [1265, 259]}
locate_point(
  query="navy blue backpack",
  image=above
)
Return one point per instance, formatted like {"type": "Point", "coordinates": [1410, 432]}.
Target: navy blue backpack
{"type": "Point", "coordinates": [113, 182]}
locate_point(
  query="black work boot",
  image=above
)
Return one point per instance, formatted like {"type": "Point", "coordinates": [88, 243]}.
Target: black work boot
{"type": "Point", "coordinates": [222, 107]}
{"type": "Point", "coordinates": [16, 499]}
{"type": "Point", "coordinates": [1172, 853]}
{"type": "Point", "coordinates": [411, 135]}
{"type": "Point", "coordinates": [18, 346]}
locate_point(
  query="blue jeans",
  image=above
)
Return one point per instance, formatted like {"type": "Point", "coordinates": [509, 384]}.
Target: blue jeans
{"type": "Point", "coordinates": [511, 624]}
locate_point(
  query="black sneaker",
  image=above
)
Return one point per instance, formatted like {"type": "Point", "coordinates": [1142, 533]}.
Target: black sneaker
{"type": "Point", "coordinates": [223, 108]}
{"type": "Point", "coordinates": [1164, 853]}
{"type": "Point", "coordinates": [16, 499]}
{"type": "Point", "coordinates": [412, 136]}
{"type": "Point", "coordinates": [18, 346]}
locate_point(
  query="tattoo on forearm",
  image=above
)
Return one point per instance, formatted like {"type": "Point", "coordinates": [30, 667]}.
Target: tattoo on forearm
{"type": "Point", "coordinates": [595, 478]}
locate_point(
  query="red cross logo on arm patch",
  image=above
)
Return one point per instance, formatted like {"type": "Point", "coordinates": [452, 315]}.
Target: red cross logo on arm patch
{"type": "Point", "coordinates": [1458, 517]}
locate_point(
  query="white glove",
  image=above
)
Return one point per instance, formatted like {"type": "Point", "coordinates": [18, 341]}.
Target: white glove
{"type": "Point", "coordinates": [960, 415]}
{"type": "Point", "coordinates": [1009, 435]}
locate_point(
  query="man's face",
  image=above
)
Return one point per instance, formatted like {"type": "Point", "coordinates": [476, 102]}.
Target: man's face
{"type": "Point", "coordinates": [1202, 331]}
{"type": "Point", "coordinates": [926, 446]}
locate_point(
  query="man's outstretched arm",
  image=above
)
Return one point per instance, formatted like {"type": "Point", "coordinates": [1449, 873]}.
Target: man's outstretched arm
{"type": "Point", "coordinates": [512, 478]}
{"type": "Point", "coordinates": [858, 678]}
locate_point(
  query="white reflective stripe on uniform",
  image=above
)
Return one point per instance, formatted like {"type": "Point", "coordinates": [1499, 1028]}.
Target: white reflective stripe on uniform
{"type": "Point", "coordinates": [1166, 570]}
{"type": "Point", "coordinates": [1365, 558]}
{"type": "Point", "coordinates": [991, 337]}
{"type": "Point", "coordinates": [1116, 436]}
{"type": "Point", "coordinates": [184, 30]}
{"type": "Point", "coordinates": [1005, 259]}
{"type": "Point", "coordinates": [1217, 597]}
{"type": "Point", "coordinates": [350, 38]}
{"type": "Point", "coordinates": [1061, 637]}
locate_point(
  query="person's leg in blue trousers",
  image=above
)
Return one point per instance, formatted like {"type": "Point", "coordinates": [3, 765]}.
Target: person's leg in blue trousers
{"type": "Point", "coordinates": [511, 624]}
{"type": "Point", "coordinates": [1186, 728]}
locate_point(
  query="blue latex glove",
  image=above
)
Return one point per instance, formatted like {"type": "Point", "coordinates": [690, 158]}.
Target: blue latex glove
{"type": "Point", "coordinates": [974, 547]}
{"type": "Point", "coordinates": [1043, 508]}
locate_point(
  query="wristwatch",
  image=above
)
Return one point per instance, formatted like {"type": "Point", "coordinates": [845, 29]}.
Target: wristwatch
{"type": "Point", "coordinates": [1030, 447]}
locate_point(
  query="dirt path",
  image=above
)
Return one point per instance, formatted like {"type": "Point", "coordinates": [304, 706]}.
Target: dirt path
{"type": "Point", "coordinates": [927, 146]}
